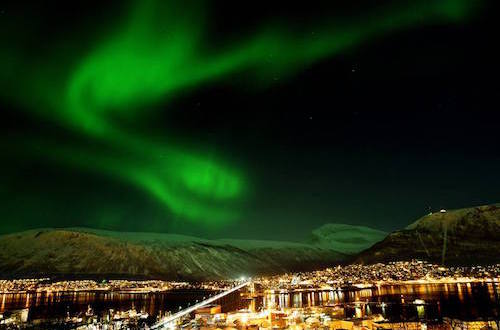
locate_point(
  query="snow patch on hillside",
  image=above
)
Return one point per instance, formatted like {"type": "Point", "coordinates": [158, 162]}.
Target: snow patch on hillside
{"type": "Point", "coordinates": [345, 238]}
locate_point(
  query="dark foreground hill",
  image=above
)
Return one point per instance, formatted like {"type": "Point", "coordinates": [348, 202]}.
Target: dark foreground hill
{"type": "Point", "coordinates": [458, 237]}
{"type": "Point", "coordinates": [88, 252]}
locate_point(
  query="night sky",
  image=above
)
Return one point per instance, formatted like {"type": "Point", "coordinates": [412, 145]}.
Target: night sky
{"type": "Point", "coordinates": [252, 119]}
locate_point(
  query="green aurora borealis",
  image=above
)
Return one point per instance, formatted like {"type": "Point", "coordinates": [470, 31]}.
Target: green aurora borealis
{"type": "Point", "coordinates": [154, 54]}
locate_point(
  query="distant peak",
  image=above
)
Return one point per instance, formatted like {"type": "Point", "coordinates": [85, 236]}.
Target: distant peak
{"type": "Point", "coordinates": [346, 238]}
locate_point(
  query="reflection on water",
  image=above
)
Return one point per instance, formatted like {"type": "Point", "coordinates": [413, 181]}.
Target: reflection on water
{"type": "Point", "coordinates": [44, 305]}
{"type": "Point", "coordinates": [466, 301]}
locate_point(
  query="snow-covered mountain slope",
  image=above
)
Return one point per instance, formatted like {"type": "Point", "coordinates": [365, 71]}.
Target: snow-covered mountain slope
{"type": "Point", "coordinates": [89, 252]}
{"type": "Point", "coordinates": [345, 238]}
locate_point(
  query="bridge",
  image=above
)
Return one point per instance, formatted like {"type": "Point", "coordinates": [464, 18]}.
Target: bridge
{"type": "Point", "coordinates": [169, 321]}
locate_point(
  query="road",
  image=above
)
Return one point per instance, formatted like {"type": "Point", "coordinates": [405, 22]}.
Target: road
{"type": "Point", "coordinates": [168, 321]}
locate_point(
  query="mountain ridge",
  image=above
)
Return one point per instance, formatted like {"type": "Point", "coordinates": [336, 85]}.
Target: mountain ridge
{"type": "Point", "coordinates": [80, 251]}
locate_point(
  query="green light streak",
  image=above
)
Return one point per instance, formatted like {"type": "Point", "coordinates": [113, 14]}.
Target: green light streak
{"type": "Point", "coordinates": [157, 53]}
{"type": "Point", "coordinates": [149, 59]}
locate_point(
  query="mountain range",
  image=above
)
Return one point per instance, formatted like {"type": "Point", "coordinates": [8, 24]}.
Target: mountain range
{"type": "Point", "coordinates": [91, 252]}
{"type": "Point", "coordinates": [464, 236]}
